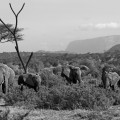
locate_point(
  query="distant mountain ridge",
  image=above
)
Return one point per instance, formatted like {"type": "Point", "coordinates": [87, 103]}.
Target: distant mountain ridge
{"type": "Point", "coordinates": [43, 51]}
{"type": "Point", "coordinates": [94, 45]}
{"type": "Point", "coordinates": [114, 48]}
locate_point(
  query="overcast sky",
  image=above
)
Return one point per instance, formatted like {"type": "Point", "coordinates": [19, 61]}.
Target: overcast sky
{"type": "Point", "coordinates": [52, 24]}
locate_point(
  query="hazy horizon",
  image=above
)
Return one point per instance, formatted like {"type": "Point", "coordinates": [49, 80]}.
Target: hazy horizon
{"type": "Point", "coordinates": [51, 24]}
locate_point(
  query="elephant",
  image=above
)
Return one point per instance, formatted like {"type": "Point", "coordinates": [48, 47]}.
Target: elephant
{"type": "Point", "coordinates": [72, 74]}
{"type": "Point", "coordinates": [110, 79]}
{"type": "Point", "coordinates": [7, 76]}
{"type": "Point", "coordinates": [30, 80]}
{"type": "Point", "coordinates": [113, 80]}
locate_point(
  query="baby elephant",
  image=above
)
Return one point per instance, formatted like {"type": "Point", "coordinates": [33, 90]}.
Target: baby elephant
{"type": "Point", "coordinates": [30, 80]}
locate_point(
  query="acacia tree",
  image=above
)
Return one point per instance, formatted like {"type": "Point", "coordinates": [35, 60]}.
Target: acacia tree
{"type": "Point", "coordinates": [13, 36]}
{"type": "Point", "coordinates": [6, 36]}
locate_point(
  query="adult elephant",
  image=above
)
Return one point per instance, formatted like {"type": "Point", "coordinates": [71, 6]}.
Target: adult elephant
{"type": "Point", "coordinates": [110, 79]}
{"type": "Point", "coordinates": [30, 80]}
{"type": "Point", "coordinates": [7, 76]}
{"type": "Point", "coordinates": [113, 80]}
{"type": "Point", "coordinates": [72, 74]}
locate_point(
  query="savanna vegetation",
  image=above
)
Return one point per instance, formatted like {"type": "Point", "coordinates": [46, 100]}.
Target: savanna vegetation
{"type": "Point", "coordinates": [54, 92]}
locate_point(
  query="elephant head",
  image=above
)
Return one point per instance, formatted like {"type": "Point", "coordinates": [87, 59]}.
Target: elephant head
{"type": "Point", "coordinates": [30, 80]}
{"type": "Point", "coordinates": [7, 76]}
{"type": "Point", "coordinates": [65, 72]}
{"type": "Point", "coordinates": [75, 74]}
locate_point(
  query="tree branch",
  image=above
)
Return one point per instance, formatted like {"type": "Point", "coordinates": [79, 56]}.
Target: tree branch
{"type": "Point", "coordinates": [20, 58]}
{"type": "Point", "coordinates": [12, 9]}
{"type": "Point", "coordinates": [6, 27]}
{"type": "Point", "coordinates": [16, 15]}
{"type": "Point", "coordinates": [21, 9]}
{"type": "Point", "coordinates": [29, 60]}
{"type": "Point", "coordinates": [14, 34]}
{"type": "Point", "coordinates": [15, 37]}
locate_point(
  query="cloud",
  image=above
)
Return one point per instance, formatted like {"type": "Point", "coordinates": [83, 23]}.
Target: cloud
{"type": "Point", "coordinates": [107, 25]}
{"type": "Point", "coordinates": [113, 25]}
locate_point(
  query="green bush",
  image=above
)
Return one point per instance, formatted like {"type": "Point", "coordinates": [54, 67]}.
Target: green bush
{"type": "Point", "coordinates": [93, 65]}
{"type": "Point", "coordinates": [50, 80]}
{"type": "Point", "coordinates": [55, 94]}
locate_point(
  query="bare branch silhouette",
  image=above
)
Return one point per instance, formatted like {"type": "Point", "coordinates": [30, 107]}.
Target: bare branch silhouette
{"type": "Point", "coordinates": [29, 59]}
{"type": "Point", "coordinates": [16, 15]}
{"type": "Point", "coordinates": [6, 26]}
{"type": "Point", "coordinates": [15, 37]}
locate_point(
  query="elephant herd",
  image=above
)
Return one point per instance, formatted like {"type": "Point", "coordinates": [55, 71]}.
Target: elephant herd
{"type": "Point", "coordinates": [71, 73]}
{"type": "Point", "coordinates": [7, 79]}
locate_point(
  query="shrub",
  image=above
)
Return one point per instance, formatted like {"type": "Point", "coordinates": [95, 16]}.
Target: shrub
{"type": "Point", "coordinates": [73, 97]}
{"type": "Point", "coordinates": [50, 80]}
{"type": "Point", "coordinates": [93, 65]}
{"type": "Point", "coordinates": [55, 94]}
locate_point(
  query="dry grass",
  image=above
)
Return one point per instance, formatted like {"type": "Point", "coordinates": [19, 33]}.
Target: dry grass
{"type": "Point", "coordinates": [21, 113]}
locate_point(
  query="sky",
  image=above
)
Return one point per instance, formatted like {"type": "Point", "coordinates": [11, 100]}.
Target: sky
{"type": "Point", "coordinates": [52, 24]}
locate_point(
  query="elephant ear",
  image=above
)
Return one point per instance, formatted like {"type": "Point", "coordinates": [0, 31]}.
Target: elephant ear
{"type": "Point", "coordinates": [66, 71]}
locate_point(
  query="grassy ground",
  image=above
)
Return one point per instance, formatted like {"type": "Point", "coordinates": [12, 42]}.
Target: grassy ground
{"type": "Point", "coordinates": [20, 113]}
{"type": "Point", "coordinates": [56, 95]}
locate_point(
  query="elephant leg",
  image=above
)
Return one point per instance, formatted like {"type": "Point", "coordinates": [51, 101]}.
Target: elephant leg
{"type": "Point", "coordinates": [108, 84]}
{"type": "Point", "coordinates": [1, 88]}
{"type": "Point", "coordinates": [6, 84]}
{"type": "Point", "coordinates": [21, 87]}
{"type": "Point", "coordinates": [118, 83]}
{"type": "Point", "coordinates": [36, 88]}
{"type": "Point", "coordinates": [115, 86]}
{"type": "Point", "coordinates": [1, 82]}
{"type": "Point", "coordinates": [104, 84]}
{"type": "Point", "coordinates": [4, 87]}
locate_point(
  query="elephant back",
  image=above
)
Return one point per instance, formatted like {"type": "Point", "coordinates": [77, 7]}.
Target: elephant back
{"type": "Point", "coordinates": [30, 79]}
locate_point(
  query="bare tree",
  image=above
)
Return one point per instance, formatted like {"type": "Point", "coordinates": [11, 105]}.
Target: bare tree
{"type": "Point", "coordinates": [15, 36]}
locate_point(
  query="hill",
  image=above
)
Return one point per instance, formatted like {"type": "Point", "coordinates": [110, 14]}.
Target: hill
{"type": "Point", "coordinates": [94, 45]}
{"type": "Point", "coordinates": [114, 48]}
